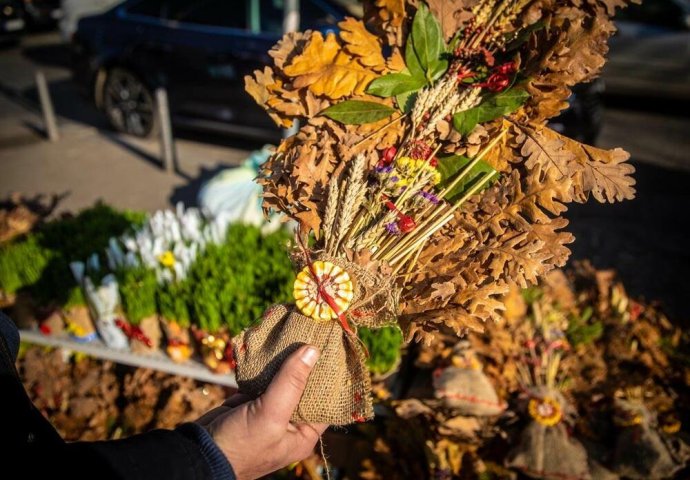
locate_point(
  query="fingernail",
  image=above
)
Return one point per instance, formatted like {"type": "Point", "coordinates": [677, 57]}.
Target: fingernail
{"type": "Point", "coordinates": [310, 356]}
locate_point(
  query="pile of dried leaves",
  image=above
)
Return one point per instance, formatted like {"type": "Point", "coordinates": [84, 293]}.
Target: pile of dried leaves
{"type": "Point", "coordinates": [88, 399]}
{"type": "Point", "coordinates": [618, 349]}
{"type": "Point", "coordinates": [19, 215]}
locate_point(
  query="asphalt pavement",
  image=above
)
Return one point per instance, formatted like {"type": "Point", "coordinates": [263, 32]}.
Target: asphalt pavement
{"type": "Point", "coordinates": [647, 240]}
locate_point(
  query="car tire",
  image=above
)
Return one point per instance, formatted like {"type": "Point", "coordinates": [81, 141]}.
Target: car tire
{"type": "Point", "coordinates": [129, 104]}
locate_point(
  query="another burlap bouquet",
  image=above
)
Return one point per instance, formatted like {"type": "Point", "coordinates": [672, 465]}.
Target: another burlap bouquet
{"type": "Point", "coordinates": [339, 388]}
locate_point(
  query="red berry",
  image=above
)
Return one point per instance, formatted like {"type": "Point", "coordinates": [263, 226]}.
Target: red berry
{"type": "Point", "coordinates": [433, 162]}
{"type": "Point", "coordinates": [505, 69]}
{"type": "Point", "coordinates": [406, 224]}
{"type": "Point", "coordinates": [389, 155]}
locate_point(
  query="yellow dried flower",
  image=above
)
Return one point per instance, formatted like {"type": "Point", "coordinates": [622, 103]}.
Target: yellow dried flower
{"type": "Point", "coordinates": [546, 411]}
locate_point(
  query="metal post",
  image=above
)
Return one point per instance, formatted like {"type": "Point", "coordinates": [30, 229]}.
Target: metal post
{"type": "Point", "coordinates": [291, 19]}
{"type": "Point", "coordinates": [167, 142]}
{"type": "Point", "coordinates": [47, 107]}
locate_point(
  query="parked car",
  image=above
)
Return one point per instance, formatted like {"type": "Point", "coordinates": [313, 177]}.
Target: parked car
{"type": "Point", "coordinates": [74, 10]}
{"type": "Point", "coordinates": [11, 20]}
{"type": "Point", "coordinates": [650, 54]}
{"type": "Point", "coordinates": [42, 13]}
{"type": "Point", "coordinates": [199, 50]}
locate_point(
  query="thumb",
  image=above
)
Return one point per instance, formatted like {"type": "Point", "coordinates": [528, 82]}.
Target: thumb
{"type": "Point", "coordinates": [283, 394]}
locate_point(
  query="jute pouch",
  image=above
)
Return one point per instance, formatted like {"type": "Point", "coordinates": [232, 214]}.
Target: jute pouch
{"type": "Point", "coordinates": [642, 452]}
{"type": "Point", "coordinates": [546, 450]}
{"type": "Point", "coordinates": [464, 387]}
{"type": "Point", "coordinates": [339, 388]}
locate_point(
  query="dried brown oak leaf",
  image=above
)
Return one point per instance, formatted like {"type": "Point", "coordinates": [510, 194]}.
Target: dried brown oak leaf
{"type": "Point", "coordinates": [602, 173]}
{"type": "Point", "coordinates": [327, 70]}
{"type": "Point", "coordinates": [263, 88]}
{"type": "Point", "coordinates": [392, 11]}
{"type": "Point", "coordinates": [362, 44]}
{"type": "Point", "coordinates": [288, 47]}
{"type": "Point", "coordinates": [452, 14]}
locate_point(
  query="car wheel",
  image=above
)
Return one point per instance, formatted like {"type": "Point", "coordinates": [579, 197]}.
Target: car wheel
{"type": "Point", "coordinates": [129, 104]}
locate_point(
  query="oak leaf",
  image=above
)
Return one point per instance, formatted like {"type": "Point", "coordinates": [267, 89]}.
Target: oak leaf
{"type": "Point", "coordinates": [451, 14]}
{"type": "Point", "coordinates": [392, 11]}
{"type": "Point", "coordinates": [396, 62]}
{"type": "Point", "coordinates": [362, 44]}
{"type": "Point", "coordinates": [442, 290]}
{"type": "Point", "coordinates": [263, 87]}
{"type": "Point", "coordinates": [601, 173]}
{"type": "Point", "coordinates": [327, 70]}
{"type": "Point", "coordinates": [288, 47]}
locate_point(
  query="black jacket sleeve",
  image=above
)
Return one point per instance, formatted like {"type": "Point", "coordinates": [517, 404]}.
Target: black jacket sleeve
{"type": "Point", "coordinates": [28, 439]}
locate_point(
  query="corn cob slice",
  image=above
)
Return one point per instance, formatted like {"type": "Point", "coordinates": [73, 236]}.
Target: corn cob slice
{"type": "Point", "coordinates": [335, 282]}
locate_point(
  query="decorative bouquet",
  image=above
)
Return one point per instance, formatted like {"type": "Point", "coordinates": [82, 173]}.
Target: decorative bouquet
{"type": "Point", "coordinates": [424, 178]}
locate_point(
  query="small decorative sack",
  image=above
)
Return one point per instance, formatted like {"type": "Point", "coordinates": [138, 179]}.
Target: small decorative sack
{"type": "Point", "coordinates": [546, 450]}
{"type": "Point", "coordinates": [463, 386]}
{"type": "Point", "coordinates": [641, 452]}
{"type": "Point", "coordinates": [339, 388]}
{"type": "Point", "coordinates": [103, 302]}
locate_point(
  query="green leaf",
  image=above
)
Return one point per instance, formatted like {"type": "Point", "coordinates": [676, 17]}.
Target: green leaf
{"type": "Point", "coordinates": [358, 112]}
{"type": "Point", "coordinates": [395, 84]}
{"type": "Point", "coordinates": [427, 38]}
{"type": "Point", "coordinates": [406, 101]}
{"type": "Point", "coordinates": [437, 69]}
{"type": "Point", "coordinates": [464, 122]}
{"type": "Point", "coordinates": [412, 60]}
{"type": "Point", "coordinates": [493, 107]}
{"type": "Point", "coordinates": [451, 167]}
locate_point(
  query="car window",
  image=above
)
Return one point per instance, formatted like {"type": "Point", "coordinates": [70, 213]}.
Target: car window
{"type": "Point", "coordinates": [662, 13]}
{"type": "Point", "coordinates": [217, 13]}
{"type": "Point", "coordinates": [313, 14]}
{"type": "Point", "coordinates": [149, 8]}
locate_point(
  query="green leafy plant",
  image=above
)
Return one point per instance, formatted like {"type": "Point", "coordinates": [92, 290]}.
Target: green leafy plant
{"type": "Point", "coordinates": [174, 302]}
{"type": "Point", "coordinates": [22, 263]}
{"type": "Point", "coordinates": [583, 328]}
{"type": "Point", "coordinates": [231, 284]}
{"type": "Point", "coordinates": [138, 288]}
{"type": "Point", "coordinates": [384, 347]}
{"type": "Point", "coordinates": [39, 262]}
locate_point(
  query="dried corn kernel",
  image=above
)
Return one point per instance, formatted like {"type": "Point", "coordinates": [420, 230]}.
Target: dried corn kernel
{"type": "Point", "coordinates": [334, 281]}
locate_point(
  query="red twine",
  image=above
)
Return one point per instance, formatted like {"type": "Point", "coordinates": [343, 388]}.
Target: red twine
{"type": "Point", "coordinates": [134, 332]}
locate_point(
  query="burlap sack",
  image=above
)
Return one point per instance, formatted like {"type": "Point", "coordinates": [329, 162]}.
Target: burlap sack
{"type": "Point", "coordinates": [549, 452]}
{"type": "Point", "coordinates": [464, 387]}
{"type": "Point", "coordinates": [339, 388]}
{"type": "Point", "coordinates": [467, 391]}
{"type": "Point", "coordinates": [641, 452]}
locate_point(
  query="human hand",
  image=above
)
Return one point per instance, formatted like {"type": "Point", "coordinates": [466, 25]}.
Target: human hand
{"type": "Point", "coordinates": [256, 436]}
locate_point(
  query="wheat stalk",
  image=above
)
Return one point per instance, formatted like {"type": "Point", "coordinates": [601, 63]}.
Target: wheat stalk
{"type": "Point", "coordinates": [331, 209]}
{"type": "Point", "coordinates": [351, 201]}
{"type": "Point", "coordinates": [458, 102]}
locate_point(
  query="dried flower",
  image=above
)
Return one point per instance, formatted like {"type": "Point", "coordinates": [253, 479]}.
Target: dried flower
{"type": "Point", "coordinates": [497, 82]}
{"type": "Point", "coordinates": [546, 411]}
{"type": "Point", "coordinates": [429, 196]}
{"type": "Point", "coordinates": [392, 228]}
